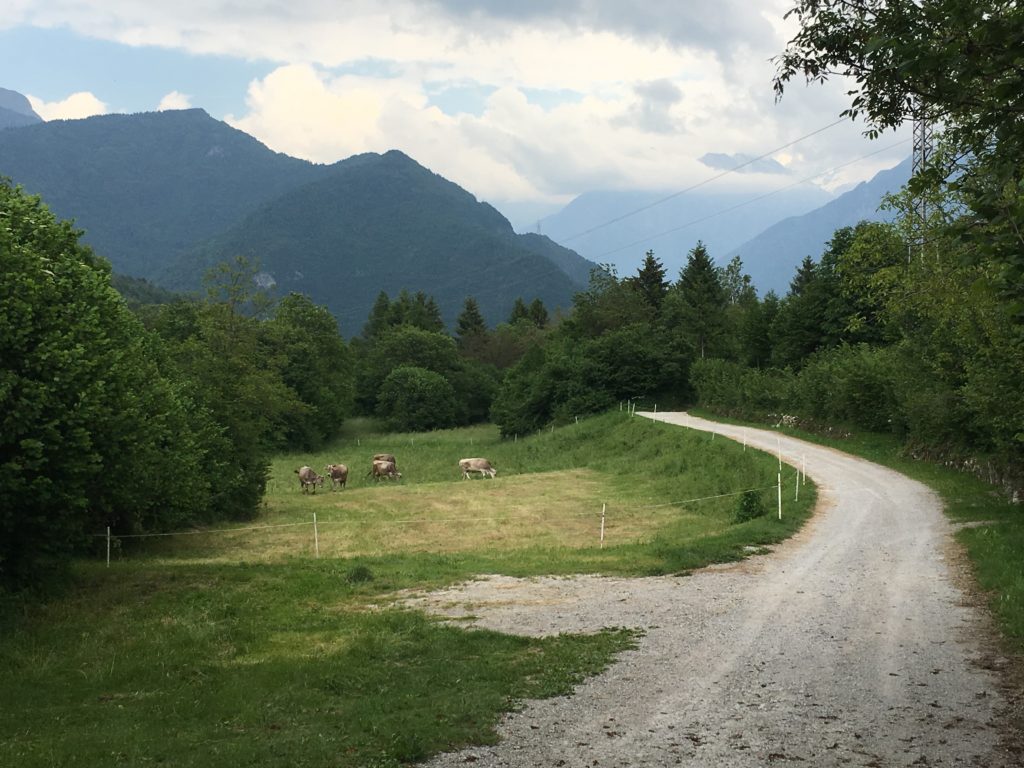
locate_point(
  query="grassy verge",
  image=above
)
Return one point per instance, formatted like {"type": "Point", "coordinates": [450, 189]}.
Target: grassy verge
{"type": "Point", "coordinates": [243, 648]}
{"type": "Point", "coordinates": [995, 547]}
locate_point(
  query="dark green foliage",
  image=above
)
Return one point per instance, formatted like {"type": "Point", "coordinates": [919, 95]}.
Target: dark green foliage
{"type": "Point", "coordinates": [955, 63]}
{"type": "Point", "coordinates": [538, 313]}
{"type": "Point", "coordinates": [849, 385]}
{"type": "Point", "coordinates": [695, 307]}
{"type": "Point", "coordinates": [799, 327]}
{"type": "Point", "coordinates": [750, 505]}
{"type": "Point", "coordinates": [91, 432]}
{"type": "Point", "coordinates": [523, 403]}
{"type": "Point", "coordinates": [398, 346]}
{"type": "Point", "coordinates": [384, 223]}
{"type": "Point", "coordinates": [650, 281]}
{"type": "Point", "coordinates": [144, 187]}
{"type": "Point", "coordinates": [520, 312]}
{"type": "Point", "coordinates": [733, 388]}
{"type": "Point", "coordinates": [470, 326]}
{"type": "Point", "coordinates": [415, 399]}
{"type": "Point", "coordinates": [316, 365]}
{"type": "Point", "coordinates": [138, 292]}
{"type": "Point", "coordinates": [359, 574]}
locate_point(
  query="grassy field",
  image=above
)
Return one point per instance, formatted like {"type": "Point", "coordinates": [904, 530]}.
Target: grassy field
{"type": "Point", "coordinates": [241, 647]}
{"type": "Point", "coordinates": [994, 538]}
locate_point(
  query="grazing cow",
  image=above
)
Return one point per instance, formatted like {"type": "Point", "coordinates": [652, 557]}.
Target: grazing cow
{"type": "Point", "coordinates": [387, 469]}
{"type": "Point", "coordinates": [309, 479]}
{"type": "Point", "coordinates": [338, 474]}
{"type": "Point", "coordinates": [483, 466]}
{"type": "Point", "coordinates": [385, 457]}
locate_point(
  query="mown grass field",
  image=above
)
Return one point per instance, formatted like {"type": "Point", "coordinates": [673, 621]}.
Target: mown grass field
{"type": "Point", "coordinates": [241, 647]}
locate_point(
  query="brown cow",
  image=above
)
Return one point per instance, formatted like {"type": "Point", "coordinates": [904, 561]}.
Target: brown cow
{"type": "Point", "coordinates": [309, 479]}
{"type": "Point", "coordinates": [338, 474]}
{"type": "Point", "coordinates": [483, 466]}
{"type": "Point", "coordinates": [385, 457]}
{"type": "Point", "coordinates": [387, 469]}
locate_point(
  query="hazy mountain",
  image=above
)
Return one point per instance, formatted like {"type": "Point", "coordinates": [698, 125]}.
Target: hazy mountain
{"type": "Point", "coordinates": [771, 258]}
{"type": "Point", "coordinates": [145, 187]}
{"type": "Point", "coordinates": [384, 222]}
{"type": "Point", "coordinates": [670, 228]}
{"type": "Point", "coordinates": [15, 110]}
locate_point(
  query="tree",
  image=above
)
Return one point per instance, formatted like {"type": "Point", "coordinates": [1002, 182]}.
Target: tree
{"type": "Point", "coordinates": [954, 63]}
{"type": "Point", "coordinates": [538, 313]}
{"type": "Point", "coordinates": [738, 286]}
{"type": "Point", "coordinates": [380, 317]}
{"type": "Point", "coordinates": [607, 303]}
{"type": "Point", "coordinates": [470, 325]}
{"type": "Point", "coordinates": [317, 366]}
{"type": "Point", "coordinates": [799, 326]}
{"type": "Point", "coordinates": [414, 399]}
{"type": "Point", "coordinates": [86, 413]}
{"type": "Point", "coordinates": [695, 307]}
{"type": "Point", "coordinates": [519, 311]}
{"type": "Point", "coordinates": [650, 281]}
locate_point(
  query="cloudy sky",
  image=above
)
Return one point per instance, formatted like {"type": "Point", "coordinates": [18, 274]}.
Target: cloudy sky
{"type": "Point", "coordinates": [526, 104]}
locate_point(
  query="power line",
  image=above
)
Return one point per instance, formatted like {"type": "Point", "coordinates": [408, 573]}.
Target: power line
{"type": "Point", "coordinates": [747, 202]}
{"type": "Point", "coordinates": [702, 183]}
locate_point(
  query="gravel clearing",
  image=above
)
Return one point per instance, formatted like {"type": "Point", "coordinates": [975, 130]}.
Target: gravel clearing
{"type": "Point", "coordinates": [851, 644]}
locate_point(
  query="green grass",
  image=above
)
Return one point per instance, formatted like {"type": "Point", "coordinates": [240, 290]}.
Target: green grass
{"type": "Point", "coordinates": [226, 649]}
{"type": "Point", "coordinates": [995, 547]}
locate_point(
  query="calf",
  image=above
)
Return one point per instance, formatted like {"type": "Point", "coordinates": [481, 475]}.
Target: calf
{"type": "Point", "coordinates": [338, 474]}
{"type": "Point", "coordinates": [381, 469]}
{"type": "Point", "coordinates": [483, 466]}
{"type": "Point", "coordinates": [309, 479]}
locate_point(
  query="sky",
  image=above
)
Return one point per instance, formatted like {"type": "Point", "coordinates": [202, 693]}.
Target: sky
{"type": "Point", "coordinates": [525, 104]}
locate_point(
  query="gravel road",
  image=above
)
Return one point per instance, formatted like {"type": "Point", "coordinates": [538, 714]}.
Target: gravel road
{"type": "Point", "coordinates": [849, 645]}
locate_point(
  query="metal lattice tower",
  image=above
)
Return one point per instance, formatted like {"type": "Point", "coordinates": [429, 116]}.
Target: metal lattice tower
{"type": "Point", "coordinates": [923, 148]}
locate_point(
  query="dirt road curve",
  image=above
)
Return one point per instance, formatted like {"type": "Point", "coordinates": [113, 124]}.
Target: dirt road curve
{"type": "Point", "coordinates": [850, 645]}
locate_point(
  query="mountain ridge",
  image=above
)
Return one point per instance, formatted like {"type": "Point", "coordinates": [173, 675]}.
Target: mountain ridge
{"type": "Point", "coordinates": [772, 257]}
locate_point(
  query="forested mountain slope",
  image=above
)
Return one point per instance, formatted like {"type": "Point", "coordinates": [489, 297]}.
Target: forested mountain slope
{"type": "Point", "coordinates": [146, 186]}
{"type": "Point", "coordinates": [386, 223]}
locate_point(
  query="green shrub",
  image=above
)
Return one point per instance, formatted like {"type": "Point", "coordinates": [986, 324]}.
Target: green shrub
{"type": "Point", "coordinates": [749, 506]}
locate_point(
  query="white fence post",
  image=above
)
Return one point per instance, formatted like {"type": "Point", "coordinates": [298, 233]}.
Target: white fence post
{"type": "Point", "coordinates": [780, 495]}
{"type": "Point", "coordinates": [316, 536]}
{"type": "Point", "coordinates": [603, 508]}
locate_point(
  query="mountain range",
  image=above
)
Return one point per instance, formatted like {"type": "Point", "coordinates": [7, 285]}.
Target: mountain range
{"type": "Point", "coordinates": [164, 195]}
{"type": "Point", "coordinates": [772, 257]}
{"type": "Point", "coordinates": [771, 233]}
{"type": "Point", "coordinates": [619, 227]}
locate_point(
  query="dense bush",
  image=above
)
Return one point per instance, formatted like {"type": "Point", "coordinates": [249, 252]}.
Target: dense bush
{"type": "Point", "coordinates": [749, 505]}
{"type": "Point", "coordinates": [414, 400]}
{"type": "Point", "coordinates": [92, 433]}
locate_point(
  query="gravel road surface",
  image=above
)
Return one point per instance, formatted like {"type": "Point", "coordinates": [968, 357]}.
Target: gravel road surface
{"type": "Point", "coordinates": [849, 645]}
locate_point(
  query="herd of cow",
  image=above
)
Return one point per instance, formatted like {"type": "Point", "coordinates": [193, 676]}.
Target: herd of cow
{"type": "Point", "coordinates": [382, 466]}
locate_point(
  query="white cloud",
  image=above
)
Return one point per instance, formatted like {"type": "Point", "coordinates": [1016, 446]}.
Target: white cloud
{"type": "Point", "coordinates": [75, 106]}
{"type": "Point", "coordinates": [657, 84]}
{"type": "Point", "coordinates": [175, 100]}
